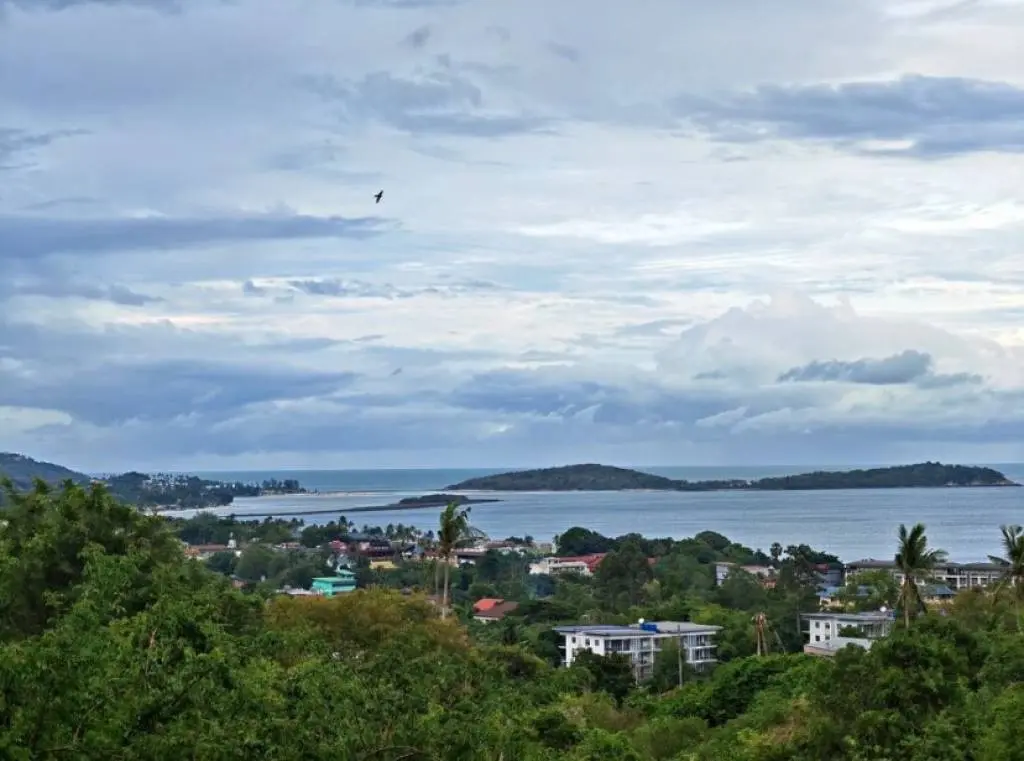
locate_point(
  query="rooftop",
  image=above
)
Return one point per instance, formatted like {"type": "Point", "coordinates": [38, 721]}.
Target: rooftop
{"type": "Point", "coordinates": [618, 630]}
{"type": "Point", "coordinates": [868, 618]}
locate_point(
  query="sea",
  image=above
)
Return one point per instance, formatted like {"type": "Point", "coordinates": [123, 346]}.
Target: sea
{"type": "Point", "coordinates": [852, 524]}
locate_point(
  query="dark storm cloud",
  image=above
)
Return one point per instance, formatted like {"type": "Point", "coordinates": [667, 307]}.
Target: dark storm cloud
{"type": "Point", "coordinates": [935, 116]}
{"type": "Point", "coordinates": [34, 236]}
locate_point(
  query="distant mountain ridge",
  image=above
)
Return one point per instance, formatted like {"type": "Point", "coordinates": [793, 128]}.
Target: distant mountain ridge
{"type": "Point", "coordinates": [593, 477]}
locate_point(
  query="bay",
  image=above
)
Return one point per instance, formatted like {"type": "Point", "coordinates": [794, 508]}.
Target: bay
{"type": "Point", "coordinates": [852, 524]}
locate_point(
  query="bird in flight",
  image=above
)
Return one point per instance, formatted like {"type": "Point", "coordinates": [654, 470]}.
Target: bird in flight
{"type": "Point", "coordinates": [379, 195]}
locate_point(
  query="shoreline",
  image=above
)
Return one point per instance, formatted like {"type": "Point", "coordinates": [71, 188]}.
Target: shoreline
{"type": "Point", "coordinates": [169, 513]}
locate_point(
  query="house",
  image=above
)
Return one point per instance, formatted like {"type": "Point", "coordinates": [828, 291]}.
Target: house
{"type": "Point", "coordinates": [641, 641]}
{"type": "Point", "coordinates": [343, 581]}
{"type": "Point", "coordinates": [828, 648]}
{"type": "Point", "coordinates": [765, 574]}
{"type": "Point", "coordinates": [492, 609]}
{"type": "Point", "coordinates": [206, 551]}
{"type": "Point", "coordinates": [828, 625]}
{"type": "Point", "coordinates": [955, 576]}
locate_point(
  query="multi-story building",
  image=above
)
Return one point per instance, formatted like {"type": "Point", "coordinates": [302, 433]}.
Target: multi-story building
{"type": "Point", "coordinates": [826, 626]}
{"type": "Point", "coordinates": [642, 641]}
{"type": "Point", "coordinates": [956, 576]}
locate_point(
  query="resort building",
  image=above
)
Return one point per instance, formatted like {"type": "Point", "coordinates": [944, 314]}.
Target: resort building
{"type": "Point", "coordinates": [328, 586]}
{"type": "Point", "coordinates": [956, 576]}
{"type": "Point", "coordinates": [765, 574]}
{"type": "Point", "coordinates": [641, 642]}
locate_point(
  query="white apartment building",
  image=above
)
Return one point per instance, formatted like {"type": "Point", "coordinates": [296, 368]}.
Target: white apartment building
{"type": "Point", "coordinates": [641, 642]}
{"type": "Point", "coordinates": [826, 626]}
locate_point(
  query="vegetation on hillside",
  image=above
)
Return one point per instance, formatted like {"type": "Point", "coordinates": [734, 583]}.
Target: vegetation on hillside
{"type": "Point", "coordinates": [167, 490]}
{"type": "Point", "coordinates": [23, 471]}
{"type": "Point", "coordinates": [114, 646]}
{"type": "Point", "coordinates": [607, 478]}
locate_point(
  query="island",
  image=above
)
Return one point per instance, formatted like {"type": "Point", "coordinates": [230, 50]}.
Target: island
{"type": "Point", "coordinates": [593, 477]}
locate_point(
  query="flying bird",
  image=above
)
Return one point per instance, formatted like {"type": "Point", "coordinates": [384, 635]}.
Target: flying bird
{"type": "Point", "coordinates": [379, 195]}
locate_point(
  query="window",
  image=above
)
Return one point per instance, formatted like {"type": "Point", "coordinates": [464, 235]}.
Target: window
{"type": "Point", "coordinates": [817, 624]}
{"type": "Point", "coordinates": [817, 638]}
{"type": "Point", "coordinates": [587, 642]}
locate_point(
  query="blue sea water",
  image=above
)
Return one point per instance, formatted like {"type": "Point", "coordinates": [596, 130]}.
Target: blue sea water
{"type": "Point", "coordinates": [851, 524]}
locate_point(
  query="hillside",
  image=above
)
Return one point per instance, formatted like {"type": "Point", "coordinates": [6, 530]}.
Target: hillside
{"type": "Point", "coordinates": [23, 470]}
{"type": "Point", "coordinates": [592, 477]}
{"type": "Point", "coordinates": [588, 477]}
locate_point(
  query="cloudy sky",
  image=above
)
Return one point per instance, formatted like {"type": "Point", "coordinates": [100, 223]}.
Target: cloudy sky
{"type": "Point", "coordinates": [654, 232]}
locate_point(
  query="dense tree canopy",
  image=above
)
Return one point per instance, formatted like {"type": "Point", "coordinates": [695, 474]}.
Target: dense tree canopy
{"type": "Point", "coordinates": [114, 646]}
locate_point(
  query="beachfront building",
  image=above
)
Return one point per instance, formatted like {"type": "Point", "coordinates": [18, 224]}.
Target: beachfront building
{"type": "Point", "coordinates": [328, 586]}
{"type": "Point", "coordinates": [641, 642]}
{"type": "Point", "coordinates": [955, 576]}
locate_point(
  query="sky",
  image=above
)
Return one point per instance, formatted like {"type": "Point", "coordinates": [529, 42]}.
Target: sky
{"type": "Point", "coordinates": [655, 232]}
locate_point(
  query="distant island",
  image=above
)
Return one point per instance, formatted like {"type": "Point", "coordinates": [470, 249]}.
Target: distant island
{"type": "Point", "coordinates": [160, 490]}
{"type": "Point", "coordinates": [592, 477]}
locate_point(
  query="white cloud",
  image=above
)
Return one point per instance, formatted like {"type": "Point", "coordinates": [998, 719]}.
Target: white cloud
{"type": "Point", "coordinates": [602, 235]}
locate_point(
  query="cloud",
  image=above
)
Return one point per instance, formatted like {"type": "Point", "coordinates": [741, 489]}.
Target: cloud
{"type": "Point", "coordinates": [115, 294]}
{"type": "Point", "coordinates": [441, 102]}
{"type": "Point", "coordinates": [666, 232]}
{"type": "Point", "coordinates": [908, 366]}
{"type": "Point", "coordinates": [914, 115]}
{"type": "Point", "coordinates": [28, 237]}
{"type": "Point", "coordinates": [14, 143]}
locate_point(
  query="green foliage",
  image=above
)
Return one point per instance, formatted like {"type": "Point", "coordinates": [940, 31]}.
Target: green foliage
{"type": "Point", "coordinates": [114, 646]}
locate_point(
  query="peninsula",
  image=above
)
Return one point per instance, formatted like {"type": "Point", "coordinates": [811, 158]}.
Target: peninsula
{"type": "Point", "coordinates": [591, 477]}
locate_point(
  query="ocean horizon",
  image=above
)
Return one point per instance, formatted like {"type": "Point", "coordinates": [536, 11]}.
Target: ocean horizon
{"type": "Point", "coordinates": [851, 524]}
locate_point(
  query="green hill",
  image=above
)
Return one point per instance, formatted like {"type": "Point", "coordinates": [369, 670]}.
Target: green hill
{"type": "Point", "coordinates": [592, 477]}
{"type": "Point", "coordinates": [588, 477]}
{"type": "Point", "coordinates": [24, 470]}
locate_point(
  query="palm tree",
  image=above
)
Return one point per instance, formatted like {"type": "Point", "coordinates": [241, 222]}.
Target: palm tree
{"type": "Point", "coordinates": [1012, 563]}
{"type": "Point", "coordinates": [454, 531]}
{"type": "Point", "coordinates": [916, 562]}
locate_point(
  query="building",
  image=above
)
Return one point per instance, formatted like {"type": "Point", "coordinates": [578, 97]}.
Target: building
{"type": "Point", "coordinates": [491, 609]}
{"type": "Point", "coordinates": [827, 626]}
{"type": "Point", "coordinates": [585, 565]}
{"type": "Point", "coordinates": [581, 564]}
{"type": "Point", "coordinates": [765, 574]}
{"type": "Point", "coordinates": [206, 551]}
{"type": "Point", "coordinates": [328, 586]}
{"type": "Point", "coordinates": [829, 648]}
{"type": "Point", "coordinates": [956, 576]}
{"type": "Point", "coordinates": [641, 642]}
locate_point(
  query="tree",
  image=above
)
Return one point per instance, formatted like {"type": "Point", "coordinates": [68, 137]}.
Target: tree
{"type": "Point", "coordinates": [454, 530]}
{"type": "Point", "coordinates": [916, 562]}
{"type": "Point", "coordinates": [1013, 564]}
{"type": "Point", "coordinates": [611, 674]}
{"type": "Point", "coordinates": [621, 577]}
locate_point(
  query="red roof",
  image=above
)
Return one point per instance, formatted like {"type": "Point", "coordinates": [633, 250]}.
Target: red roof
{"type": "Point", "coordinates": [486, 604]}
{"type": "Point", "coordinates": [498, 612]}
